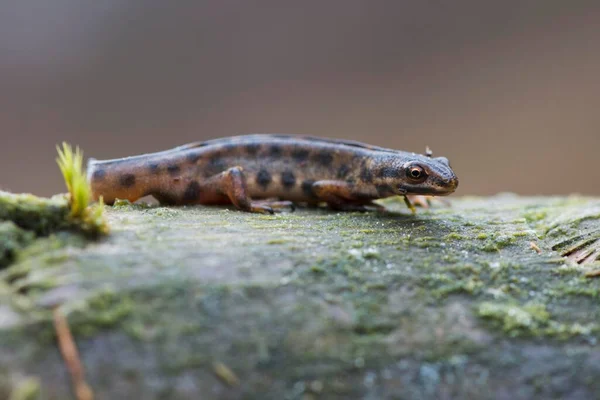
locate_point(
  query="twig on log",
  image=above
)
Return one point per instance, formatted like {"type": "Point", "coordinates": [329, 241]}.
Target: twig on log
{"type": "Point", "coordinates": [535, 247]}
{"type": "Point", "coordinates": [70, 355]}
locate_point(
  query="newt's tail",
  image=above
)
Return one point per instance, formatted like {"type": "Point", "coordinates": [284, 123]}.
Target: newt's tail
{"type": "Point", "coordinates": [127, 179]}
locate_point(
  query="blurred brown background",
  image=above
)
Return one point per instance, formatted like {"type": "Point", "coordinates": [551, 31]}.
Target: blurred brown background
{"type": "Point", "coordinates": [508, 90]}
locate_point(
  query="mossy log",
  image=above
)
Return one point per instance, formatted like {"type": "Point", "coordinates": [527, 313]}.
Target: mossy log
{"type": "Point", "coordinates": [488, 298]}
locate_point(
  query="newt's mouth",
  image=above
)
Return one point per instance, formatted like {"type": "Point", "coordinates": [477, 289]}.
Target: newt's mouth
{"type": "Point", "coordinates": [449, 186]}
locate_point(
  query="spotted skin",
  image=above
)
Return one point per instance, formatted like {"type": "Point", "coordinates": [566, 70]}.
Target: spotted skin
{"type": "Point", "coordinates": [288, 179]}
{"type": "Point", "coordinates": [174, 169]}
{"type": "Point", "coordinates": [127, 180]}
{"type": "Point", "coordinates": [250, 171]}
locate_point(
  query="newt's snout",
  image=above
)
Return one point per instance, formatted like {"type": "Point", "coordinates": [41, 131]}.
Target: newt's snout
{"type": "Point", "coordinates": [443, 179]}
{"type": "Point", "coordinates": [444, 182]}
{"type": "Point", "coordinates": [451, 184]}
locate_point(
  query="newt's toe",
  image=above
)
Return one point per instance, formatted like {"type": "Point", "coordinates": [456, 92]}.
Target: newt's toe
{"type": "Point", "coordinates": [261, 209]}
{"type": "Point", "coordinates": [275, 206]}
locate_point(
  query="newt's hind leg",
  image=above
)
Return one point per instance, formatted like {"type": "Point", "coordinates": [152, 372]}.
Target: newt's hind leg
{"type": "Point", "coordinates": [232, 184]}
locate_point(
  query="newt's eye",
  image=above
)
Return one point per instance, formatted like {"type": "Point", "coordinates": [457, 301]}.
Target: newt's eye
{"type": "Point", "coordinates": [416, 173]}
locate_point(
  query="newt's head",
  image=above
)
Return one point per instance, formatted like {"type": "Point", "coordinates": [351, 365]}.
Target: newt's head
{"type": "Point", "coordinates": [420, 174]}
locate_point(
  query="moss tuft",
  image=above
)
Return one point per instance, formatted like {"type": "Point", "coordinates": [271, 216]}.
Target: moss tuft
{"type": "Point", "coordinates": [90, 218]}
{"type": "Point", "coordinates": [71, 165]}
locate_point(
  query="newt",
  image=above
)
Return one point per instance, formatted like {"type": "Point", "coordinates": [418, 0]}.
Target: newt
{"type": "Point", "coordinates": [266, 172]}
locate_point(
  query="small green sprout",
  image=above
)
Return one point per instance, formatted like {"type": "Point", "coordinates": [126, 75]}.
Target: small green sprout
{"type": "Point", "coordinates": [71, 166]}
{"type": "Point", "coordinates": [89, 217]}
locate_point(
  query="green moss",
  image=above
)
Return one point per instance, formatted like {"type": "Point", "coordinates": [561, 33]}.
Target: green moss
{"type": "Point", "coordinates": [277, 241]}
{"type": "Point", "coordinates": [12, 239]}
{"type": "Point", "coordinates": [463, 270]}
{"type": "Point", "coordinates": [497, 241]}
{"type": "Point", "coordinates": [437, 278]}
{"type": "Point", "coordinates": [503, 241]}
{"type": "Point", "coordinates": [535, 215]}
{"type": "Point", "coordinates": [514, 319]}
{"type": "Point", "coordinates": [36, 214]}
{"type": "Point", "coordinates": [520, 234]}
{"type": "Point", "coordinates": [530, 319]}
{"type": "Point", "coordinates": [439, 286]}
{"type": "Point", "coordinates": [103, 310]}
{"type": "Point", "coordinates": [455, 236]}
{"type": "Point", "coordinates": [122, 203]}
{"type": "Point", "coordinates": [569, 269]}
{"type": "Point", "coordinates": [27, 389]}
{"type": "Point", "coordinates": [490, 247]}
{"type": "Point", "coordinates": [317, 269]}
{"type": "Point", "coordinates": [425, 242]}
{"type": "Point", "coordinates": [367, 231]}
{"type": "Point", "coordinates": [583, 289]}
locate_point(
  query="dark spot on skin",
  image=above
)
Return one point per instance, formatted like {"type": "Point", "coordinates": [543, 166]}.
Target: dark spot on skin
{"type": "Point", "coordinates": [173, 169]}
{"type": "Point", "coordinates": [343, 171]}
{"type": "Point", "coordinates": [193, 157]}
{"type": "Point", "coordinates": [275, 150]}
{"type": "Point", "coordinates": [216, 160]}
{"type": "Point", "coordinates": [364, 196]}
{"type": "Point", "coordinates": [307, 187]}
{"type": "Point", "coordinates": [215, 166]}
{"type": "Point", "coordinates": [192, 192]}
{"type": "Point", "coordinates": [365, 174]}
{"type": "Point", "coordinates": [288, 180]}
{"type": "Point", "coordinates": [216, 154]}
{"type": "Point", "coordinates": [154, 168]}
{"type": "Point", "coordinates": [263, 178]}
{"type": "Point", "coordinates": [300, 155]}
{"type": "Point", "coordinates": [324, 158]}
{"type": "Point", "coordinates": [387, 172]}
{"type": "Point", "coordinates": [127, 180]}
{"type": "Point", "coordinates": [252, 148]}
{"type": "Point", "coordinates": [98, 174]}
{"type": "Point", "coordinates": [384, 190]}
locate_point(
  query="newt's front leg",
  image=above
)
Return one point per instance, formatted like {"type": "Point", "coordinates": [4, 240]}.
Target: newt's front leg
{"type": "Point", "coordinates": [425, 201]}
{"type": "Point", "coordinates": [342, 196]}
{"type": "Point", "coordinates": [232, 184]}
